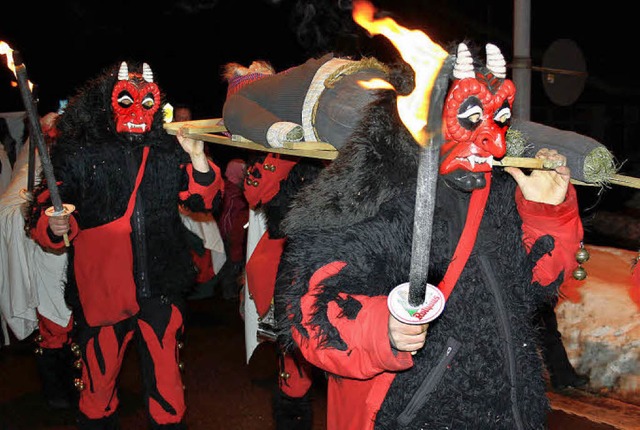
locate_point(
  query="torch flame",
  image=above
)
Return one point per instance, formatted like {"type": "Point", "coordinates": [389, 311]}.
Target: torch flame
{"type": "Point", "coordinates": [376, 84]}
{"type": "Point", "coordinates": [5, 49]}
{"type": "Point", "coordinates": [420, 52]}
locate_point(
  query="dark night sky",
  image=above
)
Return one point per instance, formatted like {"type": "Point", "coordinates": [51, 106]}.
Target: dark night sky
{"type": "Point", "coordinates": [64, 43]}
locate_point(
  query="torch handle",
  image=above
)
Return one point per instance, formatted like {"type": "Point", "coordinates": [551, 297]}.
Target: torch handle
{"type": "Point", "coordinates": [31, 164]}
{"type": "Point", "coordinates": [429, 163]}
{"type": "Point", "coordinates": [32, 115]}
{"type": "Point", "coordinates": [36, 134]}
{"type": "Point", "coordinates": [424, 210]}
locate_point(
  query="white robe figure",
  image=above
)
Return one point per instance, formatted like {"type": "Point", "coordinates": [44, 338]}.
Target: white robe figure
{"type": "Point", "coordinates": [208, 231]}
{"type": "Point", "coordinates": [31, 279]}
{"type": "Point", "coordinates": [257, 226]}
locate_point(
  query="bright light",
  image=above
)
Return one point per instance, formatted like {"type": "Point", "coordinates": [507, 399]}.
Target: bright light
{"type": "Point", "coordinates": [5, 49]}
{"type": "Point", "coordinates": [420, 52]}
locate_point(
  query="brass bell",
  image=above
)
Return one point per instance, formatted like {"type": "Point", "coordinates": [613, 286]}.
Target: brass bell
{"type": "Point", "coordinates": [38, 351]}
{"type": "Point", "coordinates": [181, 366]}
{"type": "Point", "coordinates": [285, 375]}
{"type": "Point", "coordinates": [582, 256]}
{"type": "Point", "coordinates": [39, 338]}
{"type": "Point", "coordinates": [79, 384]}
{"type": "Point", "coordinates": [77, 364]}
{"type": "Point", "coordinates": [180, 345]}
{"type": "Point", "coordinates": [580, 274]}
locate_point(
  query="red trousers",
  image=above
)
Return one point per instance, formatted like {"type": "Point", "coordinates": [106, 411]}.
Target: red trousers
{"type": "Point", "coordinates": [157, 331]}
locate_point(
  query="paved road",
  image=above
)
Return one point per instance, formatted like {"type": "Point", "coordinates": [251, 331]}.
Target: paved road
{"type": "Point", "coordinates": [223, 392]}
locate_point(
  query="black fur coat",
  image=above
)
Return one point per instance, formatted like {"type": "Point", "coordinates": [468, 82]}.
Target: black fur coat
{"type": "Point", "coordinates": [480, 367]}
{"type": "Point", "coordinates": [96, 169]}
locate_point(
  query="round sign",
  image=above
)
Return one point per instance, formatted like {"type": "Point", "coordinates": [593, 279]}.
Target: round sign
{"type": "Point", "coordinates": [564, 72]}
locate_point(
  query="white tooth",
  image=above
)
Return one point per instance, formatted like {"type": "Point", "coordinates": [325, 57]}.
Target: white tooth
{"type": "Point", "coordinates": [490, 160]}
{"type": "Point", "coordinates": [472, 161]}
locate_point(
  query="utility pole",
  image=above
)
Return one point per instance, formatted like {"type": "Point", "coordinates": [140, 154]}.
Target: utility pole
{"type": "Point", "coordinates": [521, 64]}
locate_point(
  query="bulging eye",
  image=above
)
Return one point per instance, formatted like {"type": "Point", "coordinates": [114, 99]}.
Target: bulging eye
{"type": "Point", "coordinates": [503, 115]}
{"type": "Point", "coordinates": [148, 102]}
{"type": "Point", "coordinates": [472, 114]}
{"type": "Point", "coordinates": [125, 99]}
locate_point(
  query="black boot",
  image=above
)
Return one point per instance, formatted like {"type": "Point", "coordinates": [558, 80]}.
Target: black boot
{"type": "Point", "coordinates": [107, 423]}
{"type": "Point", "coordinates": [174, 426]}
{"type": "Point", "coordinates": [292, 413]}
{"type": "Point", "coordinates": [55, 367]}
{"type": "Point", "coordinates": [562, 375]}
{"type": "Point", "coordinates": [230, 280]}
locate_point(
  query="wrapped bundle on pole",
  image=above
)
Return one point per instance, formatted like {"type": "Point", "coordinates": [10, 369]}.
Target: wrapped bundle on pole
{"type": "Point", "coordinates": [589, 160]}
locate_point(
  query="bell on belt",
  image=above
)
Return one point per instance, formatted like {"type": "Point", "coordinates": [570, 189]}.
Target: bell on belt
{"type": "Point", "coordinates": [582, 256]}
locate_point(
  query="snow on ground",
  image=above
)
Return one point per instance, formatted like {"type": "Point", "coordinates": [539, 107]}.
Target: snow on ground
{"type": "Point", "coordinates": [601, 326]}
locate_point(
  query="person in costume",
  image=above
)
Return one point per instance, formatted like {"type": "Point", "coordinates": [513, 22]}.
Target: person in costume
{"type": "Point", "coordinates": [269, 184]}
{"type": "Point", "coordinates": [502, 242]}
{"type": "Point", "coordinates": [31, 284]}
{"type": "Point", "coordinates": [129, 259]}
{"type": "Point", "coordinates": [272, 182]}
{"type": "Point", "coordinates": [232, 221]}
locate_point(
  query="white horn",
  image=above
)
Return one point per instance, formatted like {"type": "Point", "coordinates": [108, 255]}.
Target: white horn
{"type": "Point", "coordinates": [147, 74]}
{"type": "Point", "coordinates": [464, 63]}
{"type": "Point", "coordinates": [495, 61]}
{"type": "Point", "coordinates": [123, 73]}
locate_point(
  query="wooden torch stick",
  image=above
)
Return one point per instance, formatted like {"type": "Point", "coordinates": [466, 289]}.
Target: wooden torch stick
{"type": "Point", "coordinates": [36, 134]}
{"type": "Point", "coordinates": [534, 163]}
{"type": "Point", "coordinates": [522, 162]}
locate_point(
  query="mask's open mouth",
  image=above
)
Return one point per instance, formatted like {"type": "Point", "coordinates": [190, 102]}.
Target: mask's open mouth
{"type": "Point", "coordinates": [473, 163]}
{"type": "Point", "coordinates": [136, 128]}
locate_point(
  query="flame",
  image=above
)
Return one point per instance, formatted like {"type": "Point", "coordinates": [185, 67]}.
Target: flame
{"type": "Point", "coordinates": [420, 52]}
{"type": "Point", "coordinates": [376, 84]}
{"type": "Point", "coordinates": [5, 49]}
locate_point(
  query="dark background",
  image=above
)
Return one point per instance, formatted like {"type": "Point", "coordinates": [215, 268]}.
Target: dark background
{"type": "Point", "coordinates": [186, 42]}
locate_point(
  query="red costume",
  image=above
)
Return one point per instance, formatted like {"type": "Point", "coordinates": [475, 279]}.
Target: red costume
{"type": "Point", "coordinates": [270, 185]}
{"type": "Point", "coordinates": [130, 265]}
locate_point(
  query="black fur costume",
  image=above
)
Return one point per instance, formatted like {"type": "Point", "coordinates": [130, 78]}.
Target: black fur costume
{"type": "Point", "coordinates": [302, 174]}
{"type": "Point", "coordinates": [360, 211]}
{"type": "Point", "coordinates": [96, 169]}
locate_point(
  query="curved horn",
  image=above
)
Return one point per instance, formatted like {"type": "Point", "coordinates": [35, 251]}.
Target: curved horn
{"type": "Point", "coordinates": [147, 74]}
{"type": "Point", "coordinates": [123, 73]}
{"type": "Point", "coordinates": [464, 63]}
{"type": "Point", "coordinates": [495, 61]}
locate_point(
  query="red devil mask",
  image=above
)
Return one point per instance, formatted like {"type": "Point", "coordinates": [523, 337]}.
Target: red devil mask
{"type": "Point", "coordinates": [477, 113]}
{"type": "Point", "coordinates": [135, 99]}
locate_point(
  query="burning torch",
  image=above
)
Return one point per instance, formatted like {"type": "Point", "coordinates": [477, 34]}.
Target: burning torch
{"type": "Point", "coordinates": [417, 301]}
{"type": "Point", "coordinates": [16, 64]}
